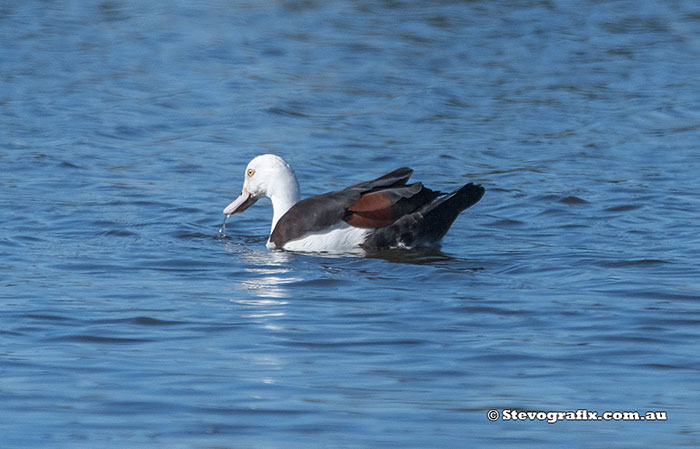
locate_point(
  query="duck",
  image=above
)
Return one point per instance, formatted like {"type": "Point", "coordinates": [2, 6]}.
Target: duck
{"type": "Point", "coordinates": [384, 213]}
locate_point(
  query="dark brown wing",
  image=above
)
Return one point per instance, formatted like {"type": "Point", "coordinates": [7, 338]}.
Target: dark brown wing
{"type": "Point", "coordinates": [319, 212]}
{"type": "Point", "coordinates": [383, 207]}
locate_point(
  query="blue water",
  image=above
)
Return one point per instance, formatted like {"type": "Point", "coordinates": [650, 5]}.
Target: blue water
{"type": "Point", "coordinates": [125, 127]}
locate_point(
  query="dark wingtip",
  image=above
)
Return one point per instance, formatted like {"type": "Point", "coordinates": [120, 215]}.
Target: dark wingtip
{"type": "Point", "coordinates": [398, 177]}
{"type": "Point", "coordinates": [467, 195]}
{"type": "Point", "coordinates": [403, 172]}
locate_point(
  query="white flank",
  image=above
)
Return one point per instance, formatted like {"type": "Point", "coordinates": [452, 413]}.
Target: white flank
{"type": "Point", "coordinates": [341, 238]}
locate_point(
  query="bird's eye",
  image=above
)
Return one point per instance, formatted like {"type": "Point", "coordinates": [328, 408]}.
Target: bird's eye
{"type": "Point", "coordinates": [250, 172]}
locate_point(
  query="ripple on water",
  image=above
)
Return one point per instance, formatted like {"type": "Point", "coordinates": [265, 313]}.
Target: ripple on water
{"type": "Point", "coordinates": [632, 263]}
{"type": "Point", "coordinates": [99, 339]}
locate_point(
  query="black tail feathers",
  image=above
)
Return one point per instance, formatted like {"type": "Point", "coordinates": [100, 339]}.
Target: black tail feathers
{"type": "Point", "coordinates": [427, 225]}
{"type": "Point", "coordinates": [441, 213]}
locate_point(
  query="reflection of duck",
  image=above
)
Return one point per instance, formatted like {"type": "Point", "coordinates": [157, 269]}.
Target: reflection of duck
{"type": "Point", "coordinates": [382, 213]}
{"type": "Point", "coordinates": [268, 274]}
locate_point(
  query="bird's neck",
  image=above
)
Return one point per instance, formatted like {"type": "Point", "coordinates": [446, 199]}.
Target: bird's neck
{"type": "Point", "coordinates": [283, 198]}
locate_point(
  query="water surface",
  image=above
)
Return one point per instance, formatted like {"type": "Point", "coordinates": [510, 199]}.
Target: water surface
{"type": "Point", "coordinates": [125, 128]}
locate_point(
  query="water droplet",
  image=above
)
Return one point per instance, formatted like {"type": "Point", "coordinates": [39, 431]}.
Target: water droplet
{"type": "Point", "coordinates": [222, 230]}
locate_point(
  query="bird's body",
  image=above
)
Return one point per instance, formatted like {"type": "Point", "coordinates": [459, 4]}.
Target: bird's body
{"type": "Point", "coordinates": [382, 213]}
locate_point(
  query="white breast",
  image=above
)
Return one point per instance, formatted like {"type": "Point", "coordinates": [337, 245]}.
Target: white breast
{"type": "Point", "coordinates": [341, 238]}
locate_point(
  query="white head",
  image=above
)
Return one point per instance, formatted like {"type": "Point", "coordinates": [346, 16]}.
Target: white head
{"type": "Point", "coordinates": [268, 176]}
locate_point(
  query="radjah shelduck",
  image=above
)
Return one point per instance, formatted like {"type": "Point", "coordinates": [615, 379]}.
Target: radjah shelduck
{"type": "Point", "coordinates": [383, 213]}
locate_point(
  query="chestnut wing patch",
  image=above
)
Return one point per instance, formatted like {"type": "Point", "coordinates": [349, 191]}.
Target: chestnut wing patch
{"type": "Point", "coordinates": [372, 210]}
{"type": "Point", "coordinates": [382, 208]}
